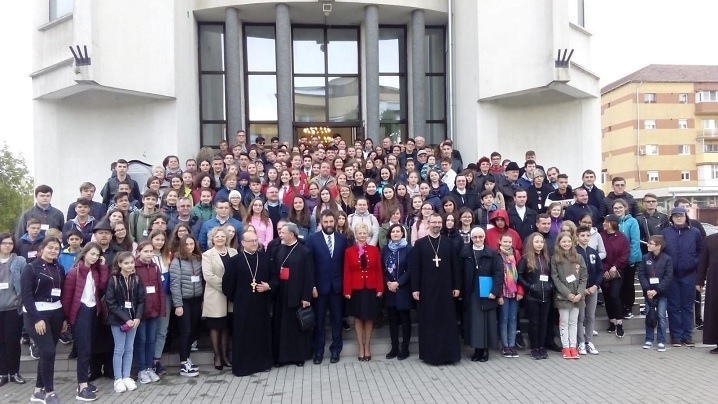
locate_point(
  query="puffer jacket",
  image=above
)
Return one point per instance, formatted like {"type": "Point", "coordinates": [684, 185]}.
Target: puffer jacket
{"type": "Point", "coordinates": [75, 285]}
{"type": "Point", "coordinates": [629, 227]}
{"type": "Point", "coordinates": [683, 245]}
{"type": "Point", "coordinates": [185, 279]}
{"type": "Point", "coordinates": [493, 235]}
{"type": "Point", "coordinates": [535, 289]}
{"type": "Point", "coordinates": [151, 277]}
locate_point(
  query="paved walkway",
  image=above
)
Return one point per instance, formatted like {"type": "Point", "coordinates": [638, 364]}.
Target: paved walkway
{"type": "Point", "coordinates": [628, 374]}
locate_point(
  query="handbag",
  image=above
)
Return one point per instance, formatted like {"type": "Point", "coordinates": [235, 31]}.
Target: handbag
{"type": "Point", "coordinates": [305, 316]}
{"type": "Point", "coordinates": [104, 310]}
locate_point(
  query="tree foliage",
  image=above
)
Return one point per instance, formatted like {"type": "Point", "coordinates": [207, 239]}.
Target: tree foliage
{"type": "Point", "coordinates": [16, 184]}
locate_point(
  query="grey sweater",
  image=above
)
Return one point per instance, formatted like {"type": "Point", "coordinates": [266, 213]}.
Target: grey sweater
{"type": "Point", "coordinates": [181, 280]}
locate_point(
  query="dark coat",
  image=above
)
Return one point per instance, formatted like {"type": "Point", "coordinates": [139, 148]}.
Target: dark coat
{"type": "Point", "coordinates": [684, 247]}
{"type": "Point", "coordinates": [523, 227]}
{"type": "Point", "coordinates": [469, 199]}
{"type": "Point", "coordinates": [708, 275]}
{"type": "Point", "coordinates": [534, 288]}
{"type": "Point", "coordinates": [328, 269]}
{"type": "Point", "coordinates": [576, 211]}
{"type": "Point", "coordinates": [607, 205]}
{"type": "Point", "coordinates": [660, 267]}
{"type": "Point", "coordinates": [115, 298]}
{"type": "Point", "coordinates": [475, 263]}
{"type": "Point", "coordinates": [401, 299]}
{"type": "Point", "coordinates": [595, 198]}
{"type": "Point", "coordinates": [536, 198]}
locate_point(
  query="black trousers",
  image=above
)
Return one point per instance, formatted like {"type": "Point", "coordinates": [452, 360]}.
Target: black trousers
{"type": "Point", "coordinates": [628, 288]}
{"type": "Point", "coordinates": [551, 325]}
{"type": "Point", "coordinates": [188, 324]}
{"type": "Point", "coordinates": [47, 344]}
{"type": "Point", "coordinates": [82, 330]}
{"type": "Point", "coordinates": [697, 310]}
{"type": "Point", "coordinates": [537, 313]}
{"type": "Point", "coordinates": [396, 318]}
{"type": "Point", "coordinates": [612, 296]}
{"type": "Point", "coordinates": [10, 332]}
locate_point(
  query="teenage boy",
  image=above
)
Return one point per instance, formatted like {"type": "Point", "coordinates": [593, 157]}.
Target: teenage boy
{"type": "Point", "coordinates": [255, 191]}
{"type": "Point", "coordinates": [87, 191]}
{"type": "Point", "coordinates": [120, 174]}
{"type": "Point", "coordinates": [487, 207]}
{"type": "Point", "coordinates": [655, 274]}
{"type": "Point", "coordinates": [48, 216]}
{"type": "Point", "coordinates": [82, 222]}
{"type": "Point", "coordinates": [587, 314]}
{"type": "Point", "coordinates": [30, 240]}
{"type": "Point", "coordinates": [141, 220]}
{"type": "Point", "coordinates": [563, 194]}
{"type": "Point", "coordinates": [121, 201]}
{"type": "Point", "coordinates": [448, 175]}
{"type": "Point", "coordinates": [73, 240]}
{"type": "Point", "coordinates": [522, 218]}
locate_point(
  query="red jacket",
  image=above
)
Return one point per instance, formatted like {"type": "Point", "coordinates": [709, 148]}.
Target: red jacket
{"type": "Point", "coordinates": [301, 190]}
{"type": "Point", "coordinates": [355, 277]}
{"type": "Point", "coordinates": [493, 235]}
{"type": "Point", "coordinates": [151, 278]}
{"type": "Point", "coordinates": [75, 284]}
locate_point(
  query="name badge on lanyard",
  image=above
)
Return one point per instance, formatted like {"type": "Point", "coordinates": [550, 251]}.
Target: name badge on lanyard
{"type": "Point", "coordinates": [56, 292]}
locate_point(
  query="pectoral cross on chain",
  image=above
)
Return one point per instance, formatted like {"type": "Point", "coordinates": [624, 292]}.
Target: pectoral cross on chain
{"type": "Point", "coordinates": [436, 260]}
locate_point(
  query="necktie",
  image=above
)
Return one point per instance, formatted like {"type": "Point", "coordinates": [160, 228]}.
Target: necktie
{"type": "Point", "coordinates": [329, 245]}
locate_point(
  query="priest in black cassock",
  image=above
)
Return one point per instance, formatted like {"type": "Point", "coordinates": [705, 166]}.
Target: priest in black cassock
{"type": "Point", "coordinates": [294, 266]}
{"type": "Point", "coordinates": [248, 284]}
{"type": "Point", "coordinates": [435, 283]}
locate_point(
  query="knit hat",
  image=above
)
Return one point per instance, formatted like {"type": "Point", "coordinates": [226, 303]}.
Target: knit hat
{"type": "Point", "coordinates": [512, 166]}
{"type": "Point", "coordinates": [484, 160]}
{"type": "Point", "coordinates": [244, 176]}
{"type": "Point", "coordinates": [234, 193]}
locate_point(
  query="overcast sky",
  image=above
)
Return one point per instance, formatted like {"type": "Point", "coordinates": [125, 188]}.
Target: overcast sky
{"type": "Point", "coordinates": [627, 35]}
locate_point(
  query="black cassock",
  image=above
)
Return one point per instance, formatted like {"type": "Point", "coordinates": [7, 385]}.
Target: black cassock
{"type": "Point", "coordinates": [252, 329]}
{"type": "Point", "coordinates": [438, 331]}
{"type": "Point", "coordinates": [289, 343]}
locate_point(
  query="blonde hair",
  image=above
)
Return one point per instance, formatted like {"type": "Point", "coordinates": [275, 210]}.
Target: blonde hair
{"type": "Point", "coordinates": [213, 232]}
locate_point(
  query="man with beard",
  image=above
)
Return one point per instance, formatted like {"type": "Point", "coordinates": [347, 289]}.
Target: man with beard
{"type": "Point", "coordinates": [247, 285]}
{"type": "Point", "coordinates": [327, 247]}
{"type": "Point", "coordinates": [295, 268]}
{"type": "Point", "coordinates": [435, 283]}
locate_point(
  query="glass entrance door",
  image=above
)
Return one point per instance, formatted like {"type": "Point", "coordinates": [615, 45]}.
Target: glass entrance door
{"type": "Point", "coordinates": [325, 133]}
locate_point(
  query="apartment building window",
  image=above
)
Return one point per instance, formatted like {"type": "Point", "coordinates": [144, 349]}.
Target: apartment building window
{"type": "Point", "coordinates": [604, 177]}
{"type": "Point", "coordinates": [714, 172]}
{"type": "Point", "coordinates": [60, 8]}
{"type": "Point", "coordinates": [683, 98]}
{"type": "Point", "coordinates": [651, 149]}
{"type": "Point", "coordinates": [707, 96]}
{"type": "Point", "coordinates": [649, 98]}
{"type": "Point", "coordinates": [684, 149]}
{"type": "Point", "coordinates": [653, 176]}
{"type": "Point", "coordinates": [708, 123]}
{"type": "Point", "coordinates": [710, 148]}
{"type": "Point", "coordinates": [683, 124]}
{"type": "Point", "coordinates": [685, 175]}
{"type": "Point", "coordinates": [649, 124]}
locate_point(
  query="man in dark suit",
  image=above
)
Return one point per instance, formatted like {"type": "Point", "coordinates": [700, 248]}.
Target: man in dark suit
{"type": "Point", "coordinates": [327, 248]}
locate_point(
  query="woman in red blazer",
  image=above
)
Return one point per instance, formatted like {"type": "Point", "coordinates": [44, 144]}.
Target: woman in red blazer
{"type": "Point", "coordinates": [80, 297]}
{"type": "Point", "coordinates": [363, 286]}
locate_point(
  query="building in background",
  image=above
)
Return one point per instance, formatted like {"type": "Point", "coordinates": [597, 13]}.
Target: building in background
{"type": "Point", "coordinates": [660, 133]}
{"type": "Point", "coordinates": [167, 77]}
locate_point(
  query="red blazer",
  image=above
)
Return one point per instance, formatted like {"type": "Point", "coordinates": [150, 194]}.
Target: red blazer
{"type": "Point", "coordinates": [355, 277]}
{"type": "Point", "coordinates": [301, 190]}
{"type": "Point", "coordinates": [75, 284]}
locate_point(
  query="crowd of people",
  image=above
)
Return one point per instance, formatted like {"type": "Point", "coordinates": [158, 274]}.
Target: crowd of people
{"type": "Point", "coordinates": [261, 244]}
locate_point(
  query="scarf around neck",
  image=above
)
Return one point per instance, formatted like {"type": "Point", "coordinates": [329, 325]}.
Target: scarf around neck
{"type": "Point", "coordinates": [510, 273]}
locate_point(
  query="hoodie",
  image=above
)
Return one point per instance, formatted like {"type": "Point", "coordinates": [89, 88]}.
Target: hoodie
{"type": "Point", "coordinates": [493, 235]}
{"type": "Point", "coordinates": [67, 259]}
{"type": "Point", "coordinates": [86, 230]}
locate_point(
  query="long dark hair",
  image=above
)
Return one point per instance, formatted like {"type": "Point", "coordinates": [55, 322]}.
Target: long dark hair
{"type": "Point", "coordinates": [85, 250]}
{"type": "Point", "coordinates": [300, 218]}
{"type": "Point", "coordinates": [181, 253]}
{"type": "Point", "coordinates": [121, 256]}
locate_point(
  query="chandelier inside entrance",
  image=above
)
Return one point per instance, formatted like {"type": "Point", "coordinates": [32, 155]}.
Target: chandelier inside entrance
{"type": "Point", "coordinates": [323, 132]}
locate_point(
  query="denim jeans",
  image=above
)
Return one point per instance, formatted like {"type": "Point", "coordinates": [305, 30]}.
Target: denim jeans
{"type": "Point", "coordinates": [507, 322]}
{"type": "Point", "coordinates": [162, 325]}
{"type": "Point", "coordinates": [145, 342]}
{"type": "Point", "coordinates": [681, 298]}
{"type": "Point", "coordinates": [124, 348]}
{"type": "Point", "coordinates": [587, 319]}
{"type": "Point", "coordinates": [661, 310]}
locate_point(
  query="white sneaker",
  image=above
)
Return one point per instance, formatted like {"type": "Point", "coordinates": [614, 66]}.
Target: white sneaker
{"type": "Point", "coordinates": [143, 377]}
{"type": "Point", "coordinates": [661, 347]}
{"type": "Point", "coordinates": [647, 345]}
{"type": "Point", "coordinates": [591, 348]}
{"type": "Point", "coordinates": [153, 376]}
{"type": "Point", "coordinates": [120, 386]}
{"type": "Point", "coordinates": [595, 333]}
{"type": "Point", "coordinates": [129, 383]}
{"type": "Point", "coordinates": [582, 349]}
{"type": "Point", "coordinates": [192, 365]}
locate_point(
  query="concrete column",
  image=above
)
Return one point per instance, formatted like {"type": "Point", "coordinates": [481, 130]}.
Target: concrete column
{"type": "Point", "coordinates": [418, 79]}
{"type": "Point", "coordinates": [285, 112]}
{"type": "Point", "coordinates": [233, 75]}
{"type": "Point", "coordinates": [371, 58]}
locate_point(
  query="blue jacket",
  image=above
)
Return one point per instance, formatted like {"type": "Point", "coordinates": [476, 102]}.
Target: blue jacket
{"type": "Point", "coordinates": [683, 245]}
{"type": "Point", "coordinates": [593, 265]}
{"type": "Point", "coordinates": [328, 269]}
{"type": "Point", "coordinates": [16, 264]}
{"type": "Point", "coordinates": [629, 228]}
{"type": "Point", "coordinates": [75, 224]}
{"type": "Point", "coordinates": [660, 267]}
{"type": "Point", "coordinates": [214, 222]}
{"type": "Point", "coordinates": [67, 259]}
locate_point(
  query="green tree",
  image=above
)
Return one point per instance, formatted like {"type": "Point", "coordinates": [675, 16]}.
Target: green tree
{"type": "Point", "coordinates": [15, 188]}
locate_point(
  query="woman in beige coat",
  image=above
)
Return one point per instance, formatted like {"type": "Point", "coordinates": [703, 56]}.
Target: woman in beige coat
{"type": "Point", "coordinates": [215, 306]}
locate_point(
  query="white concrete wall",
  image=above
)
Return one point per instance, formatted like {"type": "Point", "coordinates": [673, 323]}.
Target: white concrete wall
{"type": "Point", "coordinates": [705, 176]}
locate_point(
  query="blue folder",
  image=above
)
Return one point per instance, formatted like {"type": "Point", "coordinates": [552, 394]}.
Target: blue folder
{"type": "Point", "coordinates": [485, 285]}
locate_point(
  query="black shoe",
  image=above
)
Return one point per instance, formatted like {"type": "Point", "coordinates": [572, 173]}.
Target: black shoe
{"type": "Point", "coordinates": [713, 351]}
{"type": "Point", "coordinates": [318, 359]}
{"type": "Point", "coordinates": [25, 339]}
{"type": "Point", "coordinates": [554, 347]}
{"type": "Point", "coordinates": [300, 364]}
{"type": "Point", "coordinates": [72, 354]}
{"type": "Point", "coordinates": [477, 355]}
{"type": "Point", "coordinates": [484, 355]}
{"type": "Point", "coordinates": [628, 314]}
{"type": "Point", "coordinates": [34, 351]}
{"type": "Point", "coordinates": [544, 354]}
{"type": "Point", "coordinates": [619, 331]}
{"type": "Point", "coordinates": [346, 326]}
{"type": "Point", "coordinates": [611, 328]}
{"type": "Point", "coordinates": [393, 353]}
{"type": "Point", "coordinates": [4, 380]}
{"type": "Point", "coordinates": [699, 327]}
{"type": "Point", "coordinates": [86, 395]}
{"type": "Point", "coordinates": [17, 379]}
{"type": "Point", "coordinates": [65, 338]}
{"type": "Point", "coordinates": [92, 387]}
{"type": "Point", "coordinates": [536, 354]}
{"type": "Point", "coordinates": [403, 354]}
{"type": "Point", "coordinates": [334, 358]}
{"type": "Point", "coordinates": [689, 342]}
{"type": "Point", "coordinates": [520, 341]}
